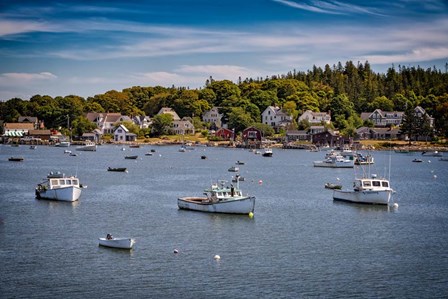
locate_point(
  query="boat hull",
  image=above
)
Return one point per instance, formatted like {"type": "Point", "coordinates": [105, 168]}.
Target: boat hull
{"type": "Point", "coordinates": [72, 193]}
{"type": "Point", "coordinates": [348, 164]}
{"type": "Point", "coordinates": [243, 205]}
{"type": "Point", "coordinates": [380, 197]}
{"type": "Point", "coordinates": [87, 148]}
{"type": "Point", "coordinates": [120, 243]}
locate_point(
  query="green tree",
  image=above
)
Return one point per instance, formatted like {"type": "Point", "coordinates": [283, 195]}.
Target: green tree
{"type": "Point", "coordinates": [265, 129]}
{"type": "Point", "coordinates": [82, 125]}
{"type": "Point", "coordinates": [239, 119]}
{"type": "Point", "coordinates": [410, 124]}
{"type": "Point", "coordinates": [161, 124]}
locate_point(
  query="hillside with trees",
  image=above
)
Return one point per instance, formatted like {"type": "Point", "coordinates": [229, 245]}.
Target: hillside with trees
{"type": "Point", "coordinates": [344, 90]}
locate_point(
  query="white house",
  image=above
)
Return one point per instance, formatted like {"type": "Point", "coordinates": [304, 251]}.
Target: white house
{"type": "Point", "coordinates": [213, 117]}
{"type": "Point", "coordinates": [315, 118]}
{"type": "Point", "coordinates": [106, 121]}
{"type": "Point", "coordinates": [183, 126]}
{"type": "Point", "coordinates": [381, 118]}
{"type": "Point", "coordinates": [122, 134]}
{"type": "Point", "coordinates": [275, 117]}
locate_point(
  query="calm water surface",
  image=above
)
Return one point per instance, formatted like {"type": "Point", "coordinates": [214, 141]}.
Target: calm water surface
{"type": "Point", "coordinates": [299, 244]}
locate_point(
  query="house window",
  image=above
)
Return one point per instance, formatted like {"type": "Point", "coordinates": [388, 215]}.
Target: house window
{"type": "Point", "coordinates": [252, 134]}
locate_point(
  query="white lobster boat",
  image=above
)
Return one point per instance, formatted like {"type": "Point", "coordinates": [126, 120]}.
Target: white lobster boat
{"type": "Point", "coordinates": [89, 146]}
{"type": "Point", "coordinates": [335, 161]}
{"type": "Point", "coordinates": [57, 186]}
{"type": "Point", "coordinates": [220, 199]}
{"type": "Point", "coordinates": [368, 191]}
{"type": "Point", "coordinates": [121, 243]}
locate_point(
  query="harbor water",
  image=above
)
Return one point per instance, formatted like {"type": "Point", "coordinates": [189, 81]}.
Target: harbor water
{"type": "Point", "coordinates": [298, 244]}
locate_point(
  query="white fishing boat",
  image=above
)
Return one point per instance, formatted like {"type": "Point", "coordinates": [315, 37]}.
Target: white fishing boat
{"type": "Point", "coordinates": [367, 190]}
{"type": "Point", "coordinates": [63, 144]}
{"type": "Point", "coordinates": [432, 154]}
{"type": "Point", "coordinates": [57, 186]}
{"type": "Point", "coordinates": [335, 161]}
{"type": "Point", "coordinates": [121, 243]}
{"type": "Point", "coordinates": [89, 146]}
{"type": "Point", "coordinates": [361, 159]}
{"type": "Point", "coordinates": [219, 198]}
{"type": "Point", "coordinates": [234, 169]}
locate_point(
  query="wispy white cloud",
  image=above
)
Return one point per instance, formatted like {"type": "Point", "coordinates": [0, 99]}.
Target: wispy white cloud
{"type": "Point", "coordinates": [29, 76]}
{"type": "Point", "coordinates": [329, 7]}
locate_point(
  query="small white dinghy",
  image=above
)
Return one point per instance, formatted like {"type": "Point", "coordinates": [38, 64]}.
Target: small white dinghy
{"type": "Point", "coordinates": [122, 243]}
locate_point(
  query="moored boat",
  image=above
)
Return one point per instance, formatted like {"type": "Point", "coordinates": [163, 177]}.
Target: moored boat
{"type": "Point", "coordinates": [120, 243]}
{"type": "Point", "coordinates": [131, 157]}
{"type": "Point", "coordinates": [417, 160]}
{"type": "Point", "coordinates": [63, 144]}
{"type": "Point", "coordinates": [57, 186]}
{"type": "Point", "coordinates": [267, 152]}
{"type": "Point", "coordinates": [367, 190]}
{"type": "Point", "coordinates": [361, 159]}
{"type": "Point", "coordinates": [15, 159]}
{"type": "Point", "coordinates": [432, 154]}
{"type": "Point", "coordinates": [220, 199]}
{"type": "Point", "coordinates": [117, 169]}
{"type": "Point", "coordinates": [335, 161]}
{"type": "Point", "coordinates": [332, 186]}
{"type": "Point", "coordinates": [89, 146]}
{"type": "Point", "coordinates": [234, 169]}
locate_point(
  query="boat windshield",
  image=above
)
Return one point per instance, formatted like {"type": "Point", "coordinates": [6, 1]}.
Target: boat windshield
{"type": "Point", "coordinates": [376, 183]}
{"type": "Point", "coordinates": [366, 183]}
{"type": "Point", "coordinates": [385, 184]}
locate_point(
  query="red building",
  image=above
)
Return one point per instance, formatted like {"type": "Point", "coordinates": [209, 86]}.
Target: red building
{"type": "Point", "coordinates": [225, 134]}
{"type": "Point", "coordinates": [252, 137]}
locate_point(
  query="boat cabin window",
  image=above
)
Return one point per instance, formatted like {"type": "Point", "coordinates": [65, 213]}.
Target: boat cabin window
{"type": "Point", "coordinates": [376, 183]}
{"type": "Point", "coordinates": [54, 182]}
{"type": "Point", "coordinates": [385, 184]}
{"type": "Point", "coordinates": [69, 182]}
{"type": "Point", "coordinates": [366, 184]}
{"type": "Point", "coordinates": [61, 182]}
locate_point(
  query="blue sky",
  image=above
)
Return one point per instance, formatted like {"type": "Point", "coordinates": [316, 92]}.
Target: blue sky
{"type": "Point", "coordinates": [59, 48]}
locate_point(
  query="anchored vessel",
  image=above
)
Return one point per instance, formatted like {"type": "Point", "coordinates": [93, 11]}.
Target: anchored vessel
{"type": "Point", "coordinates": [220, 198]}
{"type": "Point", "coordinates": [371, 190]}
{"type": "Point", "coordinates": [57, 186]}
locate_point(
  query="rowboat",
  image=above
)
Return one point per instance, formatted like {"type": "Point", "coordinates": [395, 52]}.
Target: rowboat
{"type": "Point", "coordinates": [117, 169]}
{"type": "Point", "coordinates": [131, 157]}
{"type": "Point", "coordinates": [121, 243]}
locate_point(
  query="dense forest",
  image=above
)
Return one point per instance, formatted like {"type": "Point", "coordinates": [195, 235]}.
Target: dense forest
{"type": "Point", "coordinates": [344, 90]}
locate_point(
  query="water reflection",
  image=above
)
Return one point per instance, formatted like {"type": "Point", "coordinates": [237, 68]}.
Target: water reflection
{"type": "Point", "coordinates": [367, 207]}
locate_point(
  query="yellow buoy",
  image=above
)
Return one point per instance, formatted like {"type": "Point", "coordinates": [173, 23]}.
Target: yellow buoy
{"type": "Point", "coordinates": [251, 215]}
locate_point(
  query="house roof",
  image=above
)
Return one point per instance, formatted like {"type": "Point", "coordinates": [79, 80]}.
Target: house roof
{"type": "Point", "coordinates": [39, 132]}
{"type": "Point", "coordinates": [19, 126]}
{"type": "Point", "coordinates": [30, 119]}
{"type": "Point", "coordinates": [167, 110]}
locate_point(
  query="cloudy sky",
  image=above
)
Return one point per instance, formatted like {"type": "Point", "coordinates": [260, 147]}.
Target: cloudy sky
{"type": "Point", "coordinates": [65, 47]}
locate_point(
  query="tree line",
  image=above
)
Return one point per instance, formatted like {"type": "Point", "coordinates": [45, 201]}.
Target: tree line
{"type": "Point", "coordinates": [343, 90]}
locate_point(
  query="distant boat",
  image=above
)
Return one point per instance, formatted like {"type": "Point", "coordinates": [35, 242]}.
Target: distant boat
{"type": "Point", "coordinates": [131, 157]}
{"type": "Point", "coordinates": [267, 152]}
{"type": "Point", "coordinates": [117, 169]}
{"type": "Point", "coordinates": [432, 154]}
{"type": "Point", "coordinates": [16, 159]}
{"type": "Point", "coordinates": [219, 199]}
{"type": "Point", "coordinates": [32, 147]}
{"type": "Point", "coordinates": [332, 186]}
{"type": "Point", "coordinates": [444, 159]}
{"type": "Point", "coordinates": [417, 160]}
{"type": "Point", "coordinates": [89, 146]}
{"type": "Point", "coordinates": [148, 154]}
{"type": "Point", "coordinates": [239, 162]}
{"type": "Point", "coordinates": [134, 146]}
{"type": "Point", "coordinates": [234, 169]}
{"type": "Point", "coordinates": [57, 186]}
{"type": "Point", "coordinates": [203, 157]}
{"type": "Point", "coordinates": [63, 144]}
{"type": "Point", "coordinates": [360, 159]}
{"type": "Point", "coordinates": [335, 161]}
{"type": "Point", "coordinates": [120, 243]}
{"type": "Point", "coordinates": [67, 152]}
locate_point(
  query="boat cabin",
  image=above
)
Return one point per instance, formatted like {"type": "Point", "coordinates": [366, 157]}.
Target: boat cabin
{"type": "Point", "coordinates": [371, 184]}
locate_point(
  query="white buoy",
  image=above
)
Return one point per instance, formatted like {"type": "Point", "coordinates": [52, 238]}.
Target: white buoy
{"type": "Point", "coordinates": [395, 205]}
{"type": "Point", "coordinates": [337, 179]}
{"type": "Point", "coordinates": [217, 257]}
{"type": "Point", "coordinates": [435, 176]}
{"type": "Point", "coordinates": [176, 251]}
{"type": "Point", "coordinates": [429, 161]}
